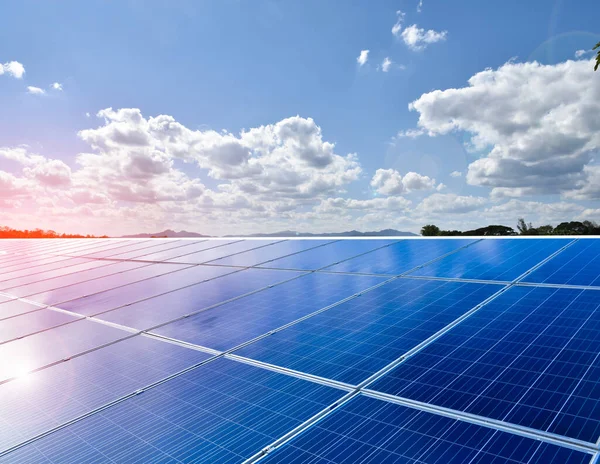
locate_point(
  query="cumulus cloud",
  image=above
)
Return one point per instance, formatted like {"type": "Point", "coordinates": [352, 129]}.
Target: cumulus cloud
{"type": "Point", "coordinates": [391, 182]}
{"type": "Point", "coordinates": [420, 6]}
{"type": "Point", "coordinates": [580, 53]}
{"type": "Point", "coordinates": [456, 174]}
{"type": "Point", "coordinates": [418, 39]}
{"type": "Point", "coordinates": [450, 203]}
{"type": "Point", "coordinates": [12, 68]}
{"type": "Point", "coordinates": [536, 125]}
{"type": "Point", "coordinates": [362, 57]}
{"type": "Point", "coordinates": [35, 90]}
{"type": "Point", "coordinates": [386, 65]}
{"type": "Point", "coordinates": [56, 86]}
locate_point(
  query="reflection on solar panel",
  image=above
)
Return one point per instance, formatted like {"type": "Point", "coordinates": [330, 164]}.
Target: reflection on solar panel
{"type": "Point", "coordinates": [293, 351]}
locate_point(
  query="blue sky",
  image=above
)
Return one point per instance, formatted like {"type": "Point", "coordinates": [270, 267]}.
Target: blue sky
{"type": "Point", "coordinates": [239, 65]}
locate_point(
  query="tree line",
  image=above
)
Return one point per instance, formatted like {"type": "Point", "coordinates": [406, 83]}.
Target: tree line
{"type": "Point", "coordinates": [523, 228]}
{"type": "Point", "coordinates": [8, 232]}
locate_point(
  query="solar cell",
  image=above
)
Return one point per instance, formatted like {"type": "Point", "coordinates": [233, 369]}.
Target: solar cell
{"type": "Point", "coordinates": [368, 430]}
{"type": "Point", "coordinates": [529, 357]}
{"type": "Point", "coordinates": [355, 339]}
{"type": "Point", "coordinates": [220, 412]}
{"type": "Point", "coordinates": [12, 308]}
{"type": "Point", "coordinates": [165, 308]}
{"type": "Point", "coordinates": [327, 255]}
{"type": "Point", "coordinates": [50, 397]}
{"type": "Point", "coordinates": [277, 250]}
{"type": "Point", "coordinates": [399, 257]}
{"type": "Point", "coordinates": [577, 265]}
{"type": "Point", "coordinates": [236, 322]}
{"type": "Point", "coordinates": [495, 259]}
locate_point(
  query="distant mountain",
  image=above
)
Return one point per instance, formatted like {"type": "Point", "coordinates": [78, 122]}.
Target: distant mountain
{"type": "Point", "coordinates": [286, 233]}
{"type": "Point", "coordinates": [167, 233]}
{"type": "Point", "coordinates": [352, 233]}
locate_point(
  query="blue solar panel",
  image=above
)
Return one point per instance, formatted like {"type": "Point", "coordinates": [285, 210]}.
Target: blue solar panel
{"type": "Point", "coordinates": [123, 295]}
{"type": "Point", "coordinates": [233, 323]}
{"type": "Point", "coordinates": [48, 282]}
{"type": "Point", "coordinates": [577, 265]}
{"type": "Point", "coordinates": [24, 355]}
{"type": "Point", "coordinates": [327, 255]}
{"type": "Point", "coordinates": [530, 357]}
{"type": "Point", "coordinates": [165, 308]}
{"type": "Point", "coordinates": [53, 396]}
{"type": "Point", "coordinates": [372, 431]}
{"type": "Point", "coordinates": [495, 259]}
{"type": "Point", "coordinates": [20, 326]}
{"type": "Point", "coordinates": [69, 292]}
{"type": "Point", "coordinates": [13, 308]}
{"type": "Point", "coordinates": [399, 257]}
{"type": "Point", "coordinates": [355, 339]}
{"type": "Point", "coordinates": [211, 254]}
{"type": "Point", "coordinates": [269, 253]}
{"type": "Point", "coordinates": [188, 249]}
{"type": "Point", "coordinates": [220, 412]}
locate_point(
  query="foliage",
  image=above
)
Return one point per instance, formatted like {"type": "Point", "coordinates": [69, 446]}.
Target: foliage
{"type": "Point", "coordinates": [8, 232]}
{"type": "Point", "coordinates": [430, 230]}
{"type": "Point", "coordinates": [597, 56]}
{"type": "Point", "coordinates": [524, 228]}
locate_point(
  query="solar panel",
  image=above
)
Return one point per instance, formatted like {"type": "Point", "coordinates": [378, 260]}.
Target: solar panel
{"type": "Point", "coordinates": [531, 357]}
{"type": "Point", "coordinates": [577, 265]}
{"type": "Point", "coordinates": [400, 257]}
{"type": "Point", "coordinates": [220, 412]}
{"type": "Point", "coordinates": [499, 259]}
{"type": "Point", "coordinates": [396, 350]}
{"type": "Point", "coordinates": [369, 430]}
{"type": "Point", "coordinates": [355, 339]}
{"type": "Point", "coordinates": [60, 393]}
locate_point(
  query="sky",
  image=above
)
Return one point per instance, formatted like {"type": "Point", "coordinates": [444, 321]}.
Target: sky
{"type": "Point", "coordinates": [236, 116]}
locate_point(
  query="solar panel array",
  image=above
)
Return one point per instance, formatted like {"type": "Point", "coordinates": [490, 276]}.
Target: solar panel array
{"type": "Point", "coordinates": [300, 351]}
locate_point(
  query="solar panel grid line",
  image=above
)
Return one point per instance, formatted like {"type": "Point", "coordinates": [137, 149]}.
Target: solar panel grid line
{"type": "Point", "coordinates": [595, 458]}
{"type": "Point", "coordinates": [566, 286]}
{"type": "Point", "coordinates": [360, 254]}
{"type": "Point", "coordinates": [495, 424]}
{"type": "Point", "coordinates": [237, 252]}
{"type": "Point", "coordinates": [147, 245]}
{"type": "Point", "coordinates": [456, 279]}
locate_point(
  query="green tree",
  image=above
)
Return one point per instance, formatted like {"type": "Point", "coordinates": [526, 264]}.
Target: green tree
{"type": "Point", "coordinates": [597, 56]}
{"type": "Point", "coordinates": [430, 230]}
{"type": "Point", "coordinates": [523, 227]}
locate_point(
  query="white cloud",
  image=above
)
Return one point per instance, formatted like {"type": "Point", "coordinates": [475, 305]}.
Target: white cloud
{"type": "Point", "coordinates": [440, 187]}
{"type": "Point", "coordinates": [87, 115]}
{"type": "Point", "coordinates": [363, 57]}
{"type": "Point", "coordinates": [386, 65]}
{"type": "Point", "coordinates": [391, 182]}
{"type": "Point", "coordinates": [13, 68]}
{"type": "Point", "coordinates": [456, 174]}
{"type": "Point", "coordinates": [420, 6]}
{"type": "Point", "coordinates": [450, 203]}
{"type": "Point", "coordinates": [397, 27]}
{"type": "Point", "coordinates": [536, 123]}
{"type": "Point", "coordinates": [580, 53]}
{"type": "Point", "coordinates": [418, 39]}
{"type": "Point", "coordinates": [411, 133]}
{"type": "Point", "coordinates": [56, 86]}
{"type": "Point", "coordinates": [35, 90]}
